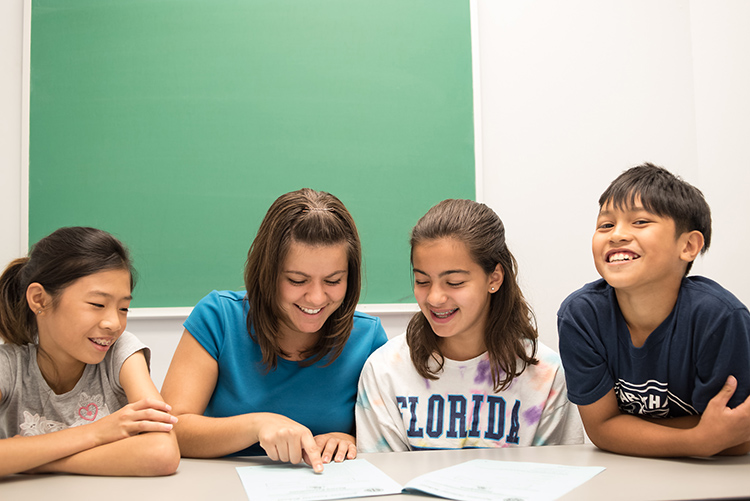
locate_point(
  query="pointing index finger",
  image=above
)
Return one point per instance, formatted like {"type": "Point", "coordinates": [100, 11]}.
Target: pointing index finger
{"type": "Point", "coordinates": [313, 453]}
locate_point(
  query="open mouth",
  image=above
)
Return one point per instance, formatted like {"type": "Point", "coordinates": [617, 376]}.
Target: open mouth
{"type": "Point", "coordinates": [622, 257]}
{"type": "Point", "coordinates": [442, 315]}
{"type": "Point", "coordinates": [308, 310]}
{"type": "Point", "coordinates": [101, 341]}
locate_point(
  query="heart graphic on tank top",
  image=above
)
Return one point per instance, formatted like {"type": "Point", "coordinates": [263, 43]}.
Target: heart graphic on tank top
{"type": "Point", "coordinates": [88, 412]}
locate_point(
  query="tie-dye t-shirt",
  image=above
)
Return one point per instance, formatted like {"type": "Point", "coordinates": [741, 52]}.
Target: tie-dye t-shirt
{"type": "Point", "coordinates": [399, 410]}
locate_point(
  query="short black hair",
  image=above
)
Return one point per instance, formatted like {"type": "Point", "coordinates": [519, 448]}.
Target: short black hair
{"type": "Point", "coordinates": [664, 194]}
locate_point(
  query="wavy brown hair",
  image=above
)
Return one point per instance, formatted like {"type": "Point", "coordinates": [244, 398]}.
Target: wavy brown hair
{"type": "Point", "coordinates": [55, 262]}
{"type": "Point", "coordinates": [510, 323]}
{"type": "Point", "coordinates": [308, 217]}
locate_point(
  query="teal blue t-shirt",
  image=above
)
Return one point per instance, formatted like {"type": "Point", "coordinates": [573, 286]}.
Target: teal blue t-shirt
{"type": "Point", "coordinates": [320, 398]}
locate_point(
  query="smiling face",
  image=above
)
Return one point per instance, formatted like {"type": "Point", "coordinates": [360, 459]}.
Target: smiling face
{"type": "Point", "coordinates": [636, 249]}
{"type": "Point", "coordinates": [83, 322]}
{"type": "Point", "coordinates": [312, 285]}
{"type": "Point", "coordinates": [453, 293]}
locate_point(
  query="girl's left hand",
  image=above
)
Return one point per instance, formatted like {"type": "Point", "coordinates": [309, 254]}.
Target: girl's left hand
{"type": "Point", "coordinates": [336, 447]}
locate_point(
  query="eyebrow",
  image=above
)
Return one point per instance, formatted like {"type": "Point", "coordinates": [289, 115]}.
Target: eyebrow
{"type": "Point", "coordinates": [339, 272]}
{"type": "Point", "coordinates": [635, 208]}
{"type": "Point", "coordinates": [443, 273]}
{"type": "Point", "coordinates": [107, 295]}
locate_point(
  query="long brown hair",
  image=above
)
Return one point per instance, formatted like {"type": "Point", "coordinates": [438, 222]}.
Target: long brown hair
{"type": "Point", "coordinates": [510, 323]}
{"type": "Point", "coordinates": [55, 262]}
{"type": "Point", "coordinates": [308, 217]}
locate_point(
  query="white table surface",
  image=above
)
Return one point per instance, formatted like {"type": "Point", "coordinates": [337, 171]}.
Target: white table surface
{"type": "Point", "coordinates": [626, 478]}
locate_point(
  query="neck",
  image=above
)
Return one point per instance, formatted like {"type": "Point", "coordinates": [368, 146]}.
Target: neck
{"type": "Point", "coordinates": [296, 346]}
{"type": "Point", "coordinates": [644, 311]}
{"type": "Point", "coordinates": [461, 349]}
{"type": "Point", "coordinates": [60, 377]}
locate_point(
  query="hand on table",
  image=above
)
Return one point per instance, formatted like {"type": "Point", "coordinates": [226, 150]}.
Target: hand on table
{"type": "Point", "coordinates": [145, 415]}
{"type": "Point", "coordinates": [336, 447]}
{"type": "Point", "coordinates": [286, 440]}
{"type": "Point", "coordinates": [725, 427]}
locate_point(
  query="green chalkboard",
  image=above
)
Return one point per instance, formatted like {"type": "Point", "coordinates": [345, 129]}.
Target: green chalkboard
{"type": "Point", "coordinates": [174, 124]}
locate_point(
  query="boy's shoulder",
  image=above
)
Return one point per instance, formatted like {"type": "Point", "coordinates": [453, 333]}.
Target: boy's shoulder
{"type": "Point", "coordinates": [709, 293]}
{"type": "Point", "coordinates": [596, 294]}
{"type": "Point", "coordinates": [695, 288]}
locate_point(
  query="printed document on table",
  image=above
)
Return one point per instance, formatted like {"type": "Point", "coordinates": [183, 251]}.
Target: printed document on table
{"type": "Point", "coordinates": [287, 482]}
{"type": "Point", "coordinates": [483, 479]}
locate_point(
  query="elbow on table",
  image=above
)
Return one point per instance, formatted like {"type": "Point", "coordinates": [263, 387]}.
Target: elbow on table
{"type": "Point", "coordinates": [161, 457]}
{"type": "Point", "coordinates": [737, 450]}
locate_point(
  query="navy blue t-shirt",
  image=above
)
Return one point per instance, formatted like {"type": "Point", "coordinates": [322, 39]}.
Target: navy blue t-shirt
{"type": "Point", "coordinates": [681, 366]}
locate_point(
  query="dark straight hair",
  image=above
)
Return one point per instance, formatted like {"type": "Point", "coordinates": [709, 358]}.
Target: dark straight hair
{"type": "Point", "coordinates": [55, 262]}
{"type": "Point", "coordinates": [664, 194]}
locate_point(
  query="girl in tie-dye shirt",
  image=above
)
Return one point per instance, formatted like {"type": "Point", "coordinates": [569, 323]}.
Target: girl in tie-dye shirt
{"type": "Point", "coordinates": [469, 372]}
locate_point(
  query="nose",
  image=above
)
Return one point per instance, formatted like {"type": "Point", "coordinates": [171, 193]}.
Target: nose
{"type": "Point", "coordinates": [112, 320]}
{"type": "Point", "coordinates": [620, 232]}
{"type": "Point", "coordinates": [436, 295]}
{"type": "Point", "coordinates": [316, 294]}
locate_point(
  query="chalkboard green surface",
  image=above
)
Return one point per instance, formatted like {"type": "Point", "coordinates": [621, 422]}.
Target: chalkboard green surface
{"type": "Point", "coordinates": [175, 124]}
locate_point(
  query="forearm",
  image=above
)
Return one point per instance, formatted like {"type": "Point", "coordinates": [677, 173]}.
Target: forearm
{"type": "Point", "coordinates": [21, 454]}
{"type": "Point", "coordinates": [632, 435]}
{"type": "Point", "coordinates": [687, 422]}
{"type": "Point", "coordinates": [147, 454]}
{"type": "Point", "coordinates": [683, 423]}
{"type": "Point", "coordinates": [208, 437]}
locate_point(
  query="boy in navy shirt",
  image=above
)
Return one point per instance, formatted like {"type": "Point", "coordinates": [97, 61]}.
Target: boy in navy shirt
{"type": "Point", "coordinates": [657, 362]}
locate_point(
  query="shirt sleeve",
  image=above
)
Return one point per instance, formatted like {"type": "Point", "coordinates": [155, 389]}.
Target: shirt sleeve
{"type": "Point", "coordinates": [7, 373]}
{"type": "Point", "coordinates": [205, 324]}
{"type": "Point", "coordinates": [379, 337]}
{"type": "Point", "coordinates": [379, 424]}
{"type": "Point", "coordinates": [560, 423]}
{"type": "Point", "coordinates": [583, 354]}
{"type": "Point", "coordinates": [127, 344]}
{"type": "Point", "coordinates": [725, 352]}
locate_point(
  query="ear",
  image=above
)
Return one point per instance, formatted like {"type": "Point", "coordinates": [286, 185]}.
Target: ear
{"type": "Point", "coordinates": [692, 243]}
{"type": "Point", "coordinates": [496, 279]}
{"type": "Point", "coordinates": [37, 298]}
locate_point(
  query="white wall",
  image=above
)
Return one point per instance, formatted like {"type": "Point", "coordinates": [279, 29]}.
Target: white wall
{"type": "Point", "coordinates": [11, 57]}
{"type": "Point", "coordinates": [575, 91]}
{"type": "Point", "coordinates": [572, 93]}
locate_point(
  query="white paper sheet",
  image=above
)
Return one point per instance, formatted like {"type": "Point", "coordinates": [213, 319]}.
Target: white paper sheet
{"type": "Point", "coordinates": [481, 479]}
{"type": "Point", "coordinates": [476, 480]}
{"type": "Point", "coordinates": [286, 482]}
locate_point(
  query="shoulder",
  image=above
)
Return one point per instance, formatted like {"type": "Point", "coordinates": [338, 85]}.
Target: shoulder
{"type": "Point", "coordinates": [221, 299]}
{"type": "Point", "coordinates": [365, 322]}
{"type": "Point", "coordinates": [548, 360]}
{"type": "Point", "coordinates": [591, 296]}
{"type": "Point", "coordinates": [547, 355]}
{"type": "Point", "coordinates": [126, 345]}
{"type": "Point", "coordinates": [704, 291]}
{"type": "Point", "coordinates": [128, 341]}
{"type": "Point", "coordinates": [394, 351]}
{"type": "Point", "coordinates": [13, 356]}
{"type": "Point", "coordinates": [11, 351]}
{"type": "Point", "coordinates": [368, 329]}
{"type": "Point", "coordinates": [218, 309]}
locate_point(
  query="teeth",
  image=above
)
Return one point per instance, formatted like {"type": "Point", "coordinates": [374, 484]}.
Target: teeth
{"type": "Point", "coordinates": [620, 256]}
{"type": "Point", "coordinates": [444, 314]}
{"type": "Point", "coordinates": [309, 311]}
{"type": "Point", "coordinates": [103, 342]}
